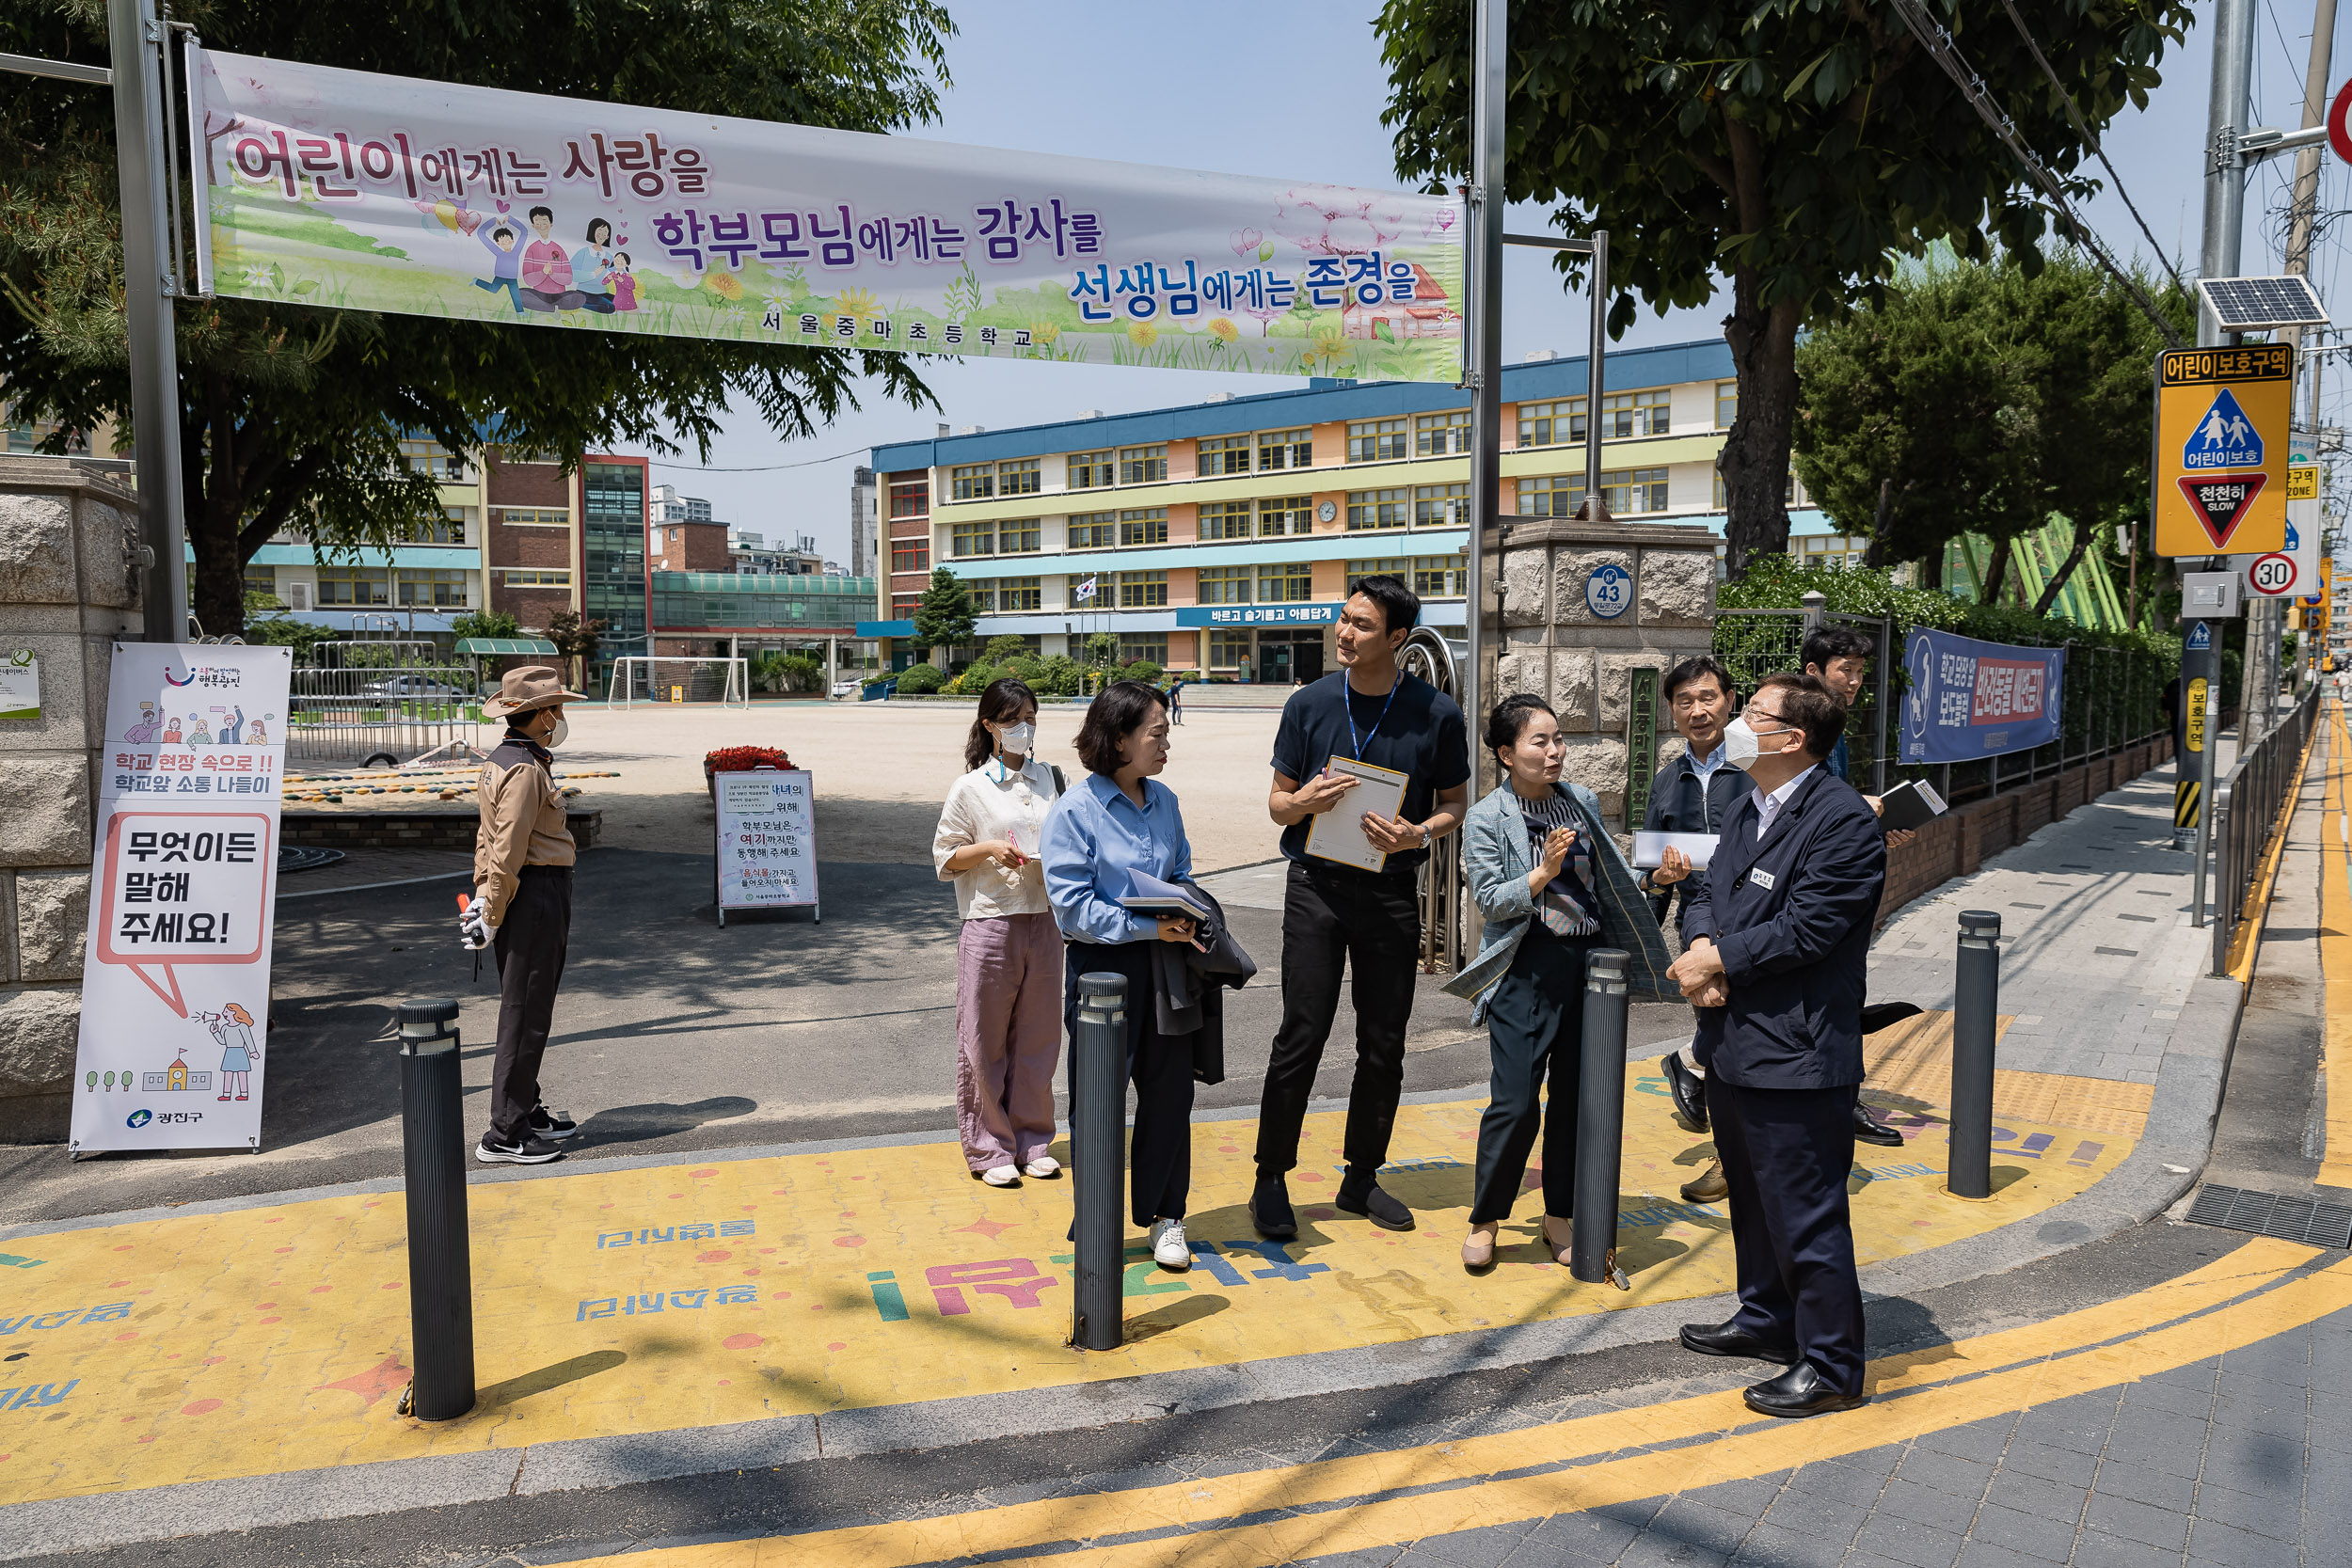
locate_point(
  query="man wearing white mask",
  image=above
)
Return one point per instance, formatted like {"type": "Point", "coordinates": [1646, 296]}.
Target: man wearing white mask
{"type": "Point", "coordinates": [522, 907]}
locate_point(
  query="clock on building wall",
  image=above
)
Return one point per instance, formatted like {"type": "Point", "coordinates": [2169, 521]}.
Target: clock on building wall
{"type": "Point", "coordinates": [1327, 511]}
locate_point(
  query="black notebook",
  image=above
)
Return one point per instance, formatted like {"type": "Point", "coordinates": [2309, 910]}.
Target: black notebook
{"type": "Point", "coordinates": [1913, 803]}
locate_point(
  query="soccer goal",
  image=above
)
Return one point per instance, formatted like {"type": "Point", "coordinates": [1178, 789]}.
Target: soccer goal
{"type": "Point", "coordinates": [639, 679]}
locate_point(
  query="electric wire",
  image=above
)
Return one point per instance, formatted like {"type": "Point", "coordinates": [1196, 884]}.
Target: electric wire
{"type": "Point", "coordinates": [1937, 42]}
{"type": "Point", "coordinates": [757, 469]}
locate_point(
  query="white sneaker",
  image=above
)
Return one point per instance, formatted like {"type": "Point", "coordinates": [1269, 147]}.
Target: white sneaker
{"type": "Point", "coordinates": [1168, 1247]}
{"type": "Point", "coordinates": [1043, 1166]}
{"type": "Point", "coordinates": [1002, 1175]}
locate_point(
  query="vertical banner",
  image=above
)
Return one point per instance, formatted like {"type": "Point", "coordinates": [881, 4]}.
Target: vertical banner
{"type": "Point", "coordinates": [1970, 699]}
{"type": "Point", "coordinates": [767, 849]}
{"type": "Point", "coordinates": [175, 977]}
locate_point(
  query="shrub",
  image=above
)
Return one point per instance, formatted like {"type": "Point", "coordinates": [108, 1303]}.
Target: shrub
{"type": "Point", "coordinates": [1060, 677]}
{"type": "Point", "coordinates": [801, 672]}
{"type": "Point", "coordinates": [921, 680]}
{"type": "Point", "coordinates": [1142, 670]}
{"type": "Point", "coordinates": [974, 679]}
{"type": "Point", "coordinates": [999, 649]}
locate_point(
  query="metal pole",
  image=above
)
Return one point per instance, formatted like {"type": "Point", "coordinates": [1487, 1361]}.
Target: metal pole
{"type": "Point", "coordinates": [1098, 1157]}
{"type": "Point", "coordinates": [2201, 694]}
{"type": "Point", "coordinates": [1599, 1118]}
{"type": "Point", "coordinates": [440, 1260]}
{"type": "Point", "coordinates": [1593, 355]}
{"type": "Point", "coordinates": [1483, 349]}
{"type": "Point", "coordinates": [1975, 998]}
{"type": "Point", "coordinates": [141, 156]}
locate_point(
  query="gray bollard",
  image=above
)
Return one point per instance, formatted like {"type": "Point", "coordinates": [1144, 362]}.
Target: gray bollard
{"type": "Point", "coordinates": [1599, 1118]}
{"type": "Point", "coordinates": [1098, 1159]}
{"type": "Point", "coordinates": [440, 1257]}
{"type": "Point", "coordinates": [1975, 998]}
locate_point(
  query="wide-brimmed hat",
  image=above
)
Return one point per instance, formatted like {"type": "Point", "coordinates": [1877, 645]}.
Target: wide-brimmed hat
{"type": "Point", "coordinates": [534, 685]}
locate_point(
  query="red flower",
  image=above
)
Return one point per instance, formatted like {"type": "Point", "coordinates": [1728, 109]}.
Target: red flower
{"type": "Point", "coordinates": [743, 759]}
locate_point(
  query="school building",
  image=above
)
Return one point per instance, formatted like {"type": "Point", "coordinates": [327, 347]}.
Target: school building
{"type": "Point", "coordinates": [1219, 537]}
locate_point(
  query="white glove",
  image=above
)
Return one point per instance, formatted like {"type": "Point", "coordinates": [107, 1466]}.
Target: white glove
{"type": "Point", "coordinates": [474, 926]}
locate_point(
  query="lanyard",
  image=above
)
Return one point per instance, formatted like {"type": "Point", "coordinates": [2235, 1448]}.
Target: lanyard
{"type": "Point", "coordinates": [1347, 702]}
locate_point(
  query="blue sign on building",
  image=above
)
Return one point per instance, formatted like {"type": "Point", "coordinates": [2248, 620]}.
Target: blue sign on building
{"type": "Point", "coordinates": [1258, 615]}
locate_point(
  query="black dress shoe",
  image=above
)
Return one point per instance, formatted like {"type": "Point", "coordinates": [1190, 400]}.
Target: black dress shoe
{"type": "Point", "coordinates": [1690, 1094]}
{"type": "Point", "coordinates": [1270, 1209]}
{"type": "Point", "coordinates": [1377, 1206]}
{"type": "Point", "coordinates": [1723, 1340]}
{"type": "Point", "coordinates": [1878, 1014]}
{"type": "Point", "coordinates": [1799, 1391]}
{"type": "Point", "coordinates": [1870, 1129]}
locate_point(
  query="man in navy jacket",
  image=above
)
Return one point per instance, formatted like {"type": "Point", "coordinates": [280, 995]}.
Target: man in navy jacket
{"type": "Point", "coordinates": [1778, 935]}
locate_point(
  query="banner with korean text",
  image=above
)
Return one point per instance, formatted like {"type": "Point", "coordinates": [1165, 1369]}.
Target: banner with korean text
{"type": "Point", "coordinates": [183, 886]}
{"type": "Point", "coordinates": [382, 193]}
{"type": "Point", "coordinates": [1970, 699]}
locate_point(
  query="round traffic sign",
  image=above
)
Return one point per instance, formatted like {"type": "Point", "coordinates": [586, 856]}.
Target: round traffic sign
{"type": "Point", "coordinates": [2339, 136]}
{"type": "Point", "coordinates": [1609, 591]}
{"type": "Point", "coordinates": [2272, 574]}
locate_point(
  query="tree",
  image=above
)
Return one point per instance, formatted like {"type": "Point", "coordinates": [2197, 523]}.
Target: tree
{"type": "Point", "coordinates": [292, 415]}
{"type": "Point", "coordinates": [1793, 145]}
{"type": "Point", "coordinates": [1982, 399]}
{"type": "Point", "coordinates": [485, 623]}
{"type": "Point", "coordinates": [942, 616]}
{"type": "Point", "coordinates": [574, 639]}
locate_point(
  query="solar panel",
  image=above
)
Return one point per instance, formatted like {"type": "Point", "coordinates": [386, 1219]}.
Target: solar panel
{"type": "Point", "coordinates": [2261, 304]}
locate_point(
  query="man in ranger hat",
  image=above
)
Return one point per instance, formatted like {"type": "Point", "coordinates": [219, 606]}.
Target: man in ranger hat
{"type": "Point", "coordinates": [522, 904]}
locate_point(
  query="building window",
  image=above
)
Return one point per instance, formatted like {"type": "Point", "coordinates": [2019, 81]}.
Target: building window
{"type": "Point", "coordinates": [1793, 493]}
{"type": "Point", "coordinates": [1292, 515]}
{"type": "Point", "coordinates": [261, 580]}
{"type": "Point", "coordinates": [1371, 509]}
{"type": "Point", "coordinates": [1727, 404]}
{"type": "Point", "coordinates": [1395, 566]}
{"type": "Point", "coordinates": [1375, 440]}
{"type": "Point", "coordinates": [1552, 496]}
{"type": "Point", "coordinates": [973, 539]}
{"type": "Point", "coordinates": [1142, 465]}
{"type": "Point", "coordinates": [434, 589]}
{"type": "Point", "coordinates": [1019, 537]}
{"type": "Point", "coordinates": [1228, 650]}
{"type": "Point", "coordinates": [1551, 424]}
{"type": "Point", "coordinates": [1142, 590]}
{"type": "Point", "coordinates": [450, 530]}
{"type": "Point", "coordinates": [1225, 584]}
{"type": "Point", "coordinates": [912, 498]}
{"type": "Point", "coordinates": [974, 482]}
{"type": "Point", "coordinates": [1091, 470]}
{"type": "Point", "coordinates": [1440, 577]}
{"type": "Point", "coordinates": [1151, 647]}
{"type": "Point", "coordinates": [1286, 449]}
{"type": "Point", "coordinates": [1440, 505]}
{"type": "Point", "coordinates": [527, 517]}
{"type": "Point", "coordinates": [1019, 593]}
{"type": "Point", "coordinates": [1095, 531]}
{"type": "Point", "coordinates": [1148, 526]}
{"type": "Point", "coordinates": [1631, 490]}
{"type": "Point", "coordinates": [1022, 478]}
{"type": "Point", "coordinates": [354, 585]}
{"type": "Point", "coordinates": [1291, 582]}
{"type": "Point", "coordinates": [902, 606]}
{"type": "Point", "coordinates": [1094, 591]}
{"type": "Point", "coordinates": [1442, 435]}
{"type": "Point", "coordinates": [1225, 454]}
{"type": "Point", "coordinates": [1225, 520]}
{"type": "Point", "coordinates": [1625, 415]}
{"type": "Point", "coordinates": [425, 455]}
{"type": "Point", "coordinates": [910, 555]}
{"type": "Point", "coordinates": [534, 576]}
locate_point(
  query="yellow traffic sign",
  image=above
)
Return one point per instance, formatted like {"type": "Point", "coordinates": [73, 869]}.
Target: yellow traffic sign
{"type": "Point", "coordinates": [2303, 481]}
{"type": "Point", "coordinates": [2221, 468]}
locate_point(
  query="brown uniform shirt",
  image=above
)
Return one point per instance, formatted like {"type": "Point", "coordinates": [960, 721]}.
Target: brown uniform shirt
{"type": "Point", "coordinates": [522, 822]}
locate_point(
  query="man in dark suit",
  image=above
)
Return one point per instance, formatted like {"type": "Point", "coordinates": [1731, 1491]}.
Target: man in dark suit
{"type": "Point", "coordinates": [1778, 935]}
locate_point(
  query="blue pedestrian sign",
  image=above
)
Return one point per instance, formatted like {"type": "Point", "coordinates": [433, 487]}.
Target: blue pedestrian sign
{"type": "Point", "coordinates": [2200, 637]}
{"type": "Point", "coordinates": [2224, 439]}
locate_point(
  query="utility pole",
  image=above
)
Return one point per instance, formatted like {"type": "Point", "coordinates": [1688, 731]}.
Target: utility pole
{"type": "Point", "coordinates": [2300, 215]}
{"type": "Point", "coordinates": [1483, 344]}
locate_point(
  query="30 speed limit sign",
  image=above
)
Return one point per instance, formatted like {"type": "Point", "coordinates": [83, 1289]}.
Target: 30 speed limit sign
{"type": "Point", "coordinates": [2272, 574]}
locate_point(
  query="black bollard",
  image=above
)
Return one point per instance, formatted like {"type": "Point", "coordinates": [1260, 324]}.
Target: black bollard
{"type": "Point", "coordinates": [441, 1259]}
{"type": "Point", "coordinates": [1098, 1158]}
{"type": "Point", "coordinates": [1599, 1118]}
{"type": "Point", "coordinates": [1976, 997]}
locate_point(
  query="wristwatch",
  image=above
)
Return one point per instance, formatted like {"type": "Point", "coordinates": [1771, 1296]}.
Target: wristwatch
{"type": "Point", "coordinates": [1427, 837]}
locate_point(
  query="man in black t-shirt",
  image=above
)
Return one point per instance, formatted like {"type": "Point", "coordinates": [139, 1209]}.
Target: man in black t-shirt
{"type": "Point", "coordinates": [1336, 917]}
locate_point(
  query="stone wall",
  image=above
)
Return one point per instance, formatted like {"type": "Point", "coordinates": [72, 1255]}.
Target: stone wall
{"type": "Point", "coordinates": [70, 583]}
{"type": "Point", "coordinates": [1554, 644]}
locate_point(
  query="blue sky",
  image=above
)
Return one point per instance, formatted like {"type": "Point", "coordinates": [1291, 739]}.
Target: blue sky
{"type": "Point", "coordinates": [1296, 89]}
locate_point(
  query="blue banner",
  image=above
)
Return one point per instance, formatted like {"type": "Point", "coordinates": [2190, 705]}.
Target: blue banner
{"type": "Point", "coordinates": [1258, 615]}
{"type": "Point", "coordinates": [1970, 699]}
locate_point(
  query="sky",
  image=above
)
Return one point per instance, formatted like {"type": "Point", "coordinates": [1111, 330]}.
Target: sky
{"type": "Point", "coordinates": [1296, 90]}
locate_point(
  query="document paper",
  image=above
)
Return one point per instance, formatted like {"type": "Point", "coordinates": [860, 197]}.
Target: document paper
{"type": "Point", "coordinates": [1338, 834]}
{"type": "Point", "coordinates": [1649, 849]}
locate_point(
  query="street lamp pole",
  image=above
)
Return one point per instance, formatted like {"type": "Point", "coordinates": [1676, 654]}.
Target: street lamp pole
{"type": "Point", "coordinates": [1483, 345]}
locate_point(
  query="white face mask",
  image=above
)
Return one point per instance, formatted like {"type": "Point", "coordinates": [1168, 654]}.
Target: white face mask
{"type": "Point", "coordinates": [1017, 739]}
{"type": "Point", "coordinates": [555, 735]}
{"type": "Point", "coordinates": [1740, 744]}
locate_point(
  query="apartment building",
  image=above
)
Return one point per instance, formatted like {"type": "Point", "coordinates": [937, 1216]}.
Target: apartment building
{"type": "Point", "coordinates": [1219, 537]}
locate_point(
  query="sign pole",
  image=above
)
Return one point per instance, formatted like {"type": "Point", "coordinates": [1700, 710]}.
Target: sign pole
{"type": "Point", "coordinates": [1483, 344]}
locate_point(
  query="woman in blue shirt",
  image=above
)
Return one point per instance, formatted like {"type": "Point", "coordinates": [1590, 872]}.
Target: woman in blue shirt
{"type": "Point", "coordinates": [1119, 821]}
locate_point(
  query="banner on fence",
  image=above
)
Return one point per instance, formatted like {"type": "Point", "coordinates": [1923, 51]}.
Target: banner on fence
{"type": "Point", "coordinates": [1970, 699]}
{"type": "Point", "coordinates": [382, 193]}
{"type": "Point", "coordinates": [175, 974]}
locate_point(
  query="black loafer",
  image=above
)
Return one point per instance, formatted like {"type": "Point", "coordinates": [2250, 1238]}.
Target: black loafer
{"type": "Point", "coordinates": [1690, 1094]}
{"type": "Point", "coordinates": [1799, 1391]}
{"type": "Point", "coordinates": [1870, 1129]}
{"type": "Point", "coordinates": [1377, 1206]}
{"type": "Point", "coordinates": [1270, 1209]}
{"type": "Point", "coordinates": [1878, 1014]}
{"type": "Point", "coordinates": [1723, 1340]}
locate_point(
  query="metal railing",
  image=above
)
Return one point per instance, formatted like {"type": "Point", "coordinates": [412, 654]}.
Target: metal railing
{"type": "Point", "coordinates": [2246, 809]}
{"type": "Point", "coordinates": [378, 716]}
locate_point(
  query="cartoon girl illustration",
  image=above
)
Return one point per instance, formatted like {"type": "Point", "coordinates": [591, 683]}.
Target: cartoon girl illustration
{"type": "Point", "coordinates": [233, 1027]}
{"type": "Point", "coordinates": [171, 731]}
{"type": "Point", "coordinates": [589, 268]}
{"type": "Point", "coordinates": [199, 733]}
{"type": "Point", "coordinates": [145, 730]}
{"type": "Point", "coordinates": [623, 281]}
{"type": "Point", "coordinates": [253, 735]}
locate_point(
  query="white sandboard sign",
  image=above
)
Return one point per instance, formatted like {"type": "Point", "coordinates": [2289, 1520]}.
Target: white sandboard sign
{"type": "Point", "coordinates": [175, 975]}
{"type": "Point", "coordinates": [767, 848]}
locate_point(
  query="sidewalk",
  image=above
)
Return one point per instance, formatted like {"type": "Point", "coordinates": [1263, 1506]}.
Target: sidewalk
{"type": "Point", "coordinates": [228, 1365]}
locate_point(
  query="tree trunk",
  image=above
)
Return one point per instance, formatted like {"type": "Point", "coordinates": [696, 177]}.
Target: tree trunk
{"type": "Point", "coordinates": [1875, 557]}
{"type": "Point", "coordinates": [2065, 569]}
{"type": "Point", "coordinates": [1931, 571]}
{"type": "Point", "coordinates": [1754, 460]}
{"type": "Point", "coordinates": [1995, 570]}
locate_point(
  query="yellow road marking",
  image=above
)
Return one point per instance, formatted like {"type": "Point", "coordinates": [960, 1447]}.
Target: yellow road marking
{"type": "Point", "coordinates": [2335, 957]}
{"type": "Point", "coordinates": [2233, 1301]}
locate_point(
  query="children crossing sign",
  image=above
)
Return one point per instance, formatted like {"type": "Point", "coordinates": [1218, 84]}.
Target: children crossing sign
{"type": "Point", "coordinates": [2220, 458]}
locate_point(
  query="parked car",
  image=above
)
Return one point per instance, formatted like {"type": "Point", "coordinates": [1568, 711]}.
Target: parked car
{"type": "Point", "coordinates": [847, 689]}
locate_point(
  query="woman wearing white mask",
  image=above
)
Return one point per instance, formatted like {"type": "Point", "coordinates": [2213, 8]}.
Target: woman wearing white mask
{"type": "Point", "coordinates": [1009, 952]}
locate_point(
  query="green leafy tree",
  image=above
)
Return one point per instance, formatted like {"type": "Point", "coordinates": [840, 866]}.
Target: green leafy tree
{"type": "Point", "coordinates": [292, 415]}
{"type": "Point", "coordinates": [1001, 649]}
{"type": "Point", "coordinates": [485, 623]}
{"type": "Point", "coordinates": [1792, 146]}
{"type": "Point", "coordinates": [576, 639]}
{"type": "Point", "coordinates": [942, 616]}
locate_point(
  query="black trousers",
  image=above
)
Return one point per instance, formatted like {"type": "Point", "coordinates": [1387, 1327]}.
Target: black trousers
{"type": "Point", "coordinates": [529, 948]}
{"type": "Point", "coordinates": [1786, 1154]}
{"type": "Point", "coordinates": [1159, 1150]}
{"type": "Point", "coordinates": [1536, 1024]}
{"type": "Point", "coordinates": [1335, 919]}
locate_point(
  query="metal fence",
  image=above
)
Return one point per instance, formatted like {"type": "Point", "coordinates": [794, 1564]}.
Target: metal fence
{"type": "Point", "coordinates": [2245, 813]}
{"type": "Point", "coordinates": [379, 716]}
{"type": "Point", "coordinates": [1752, 643]}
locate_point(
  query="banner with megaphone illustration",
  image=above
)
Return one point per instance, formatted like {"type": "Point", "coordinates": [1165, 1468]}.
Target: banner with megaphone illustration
{"type": "Point", "coordinates": [183, 883]}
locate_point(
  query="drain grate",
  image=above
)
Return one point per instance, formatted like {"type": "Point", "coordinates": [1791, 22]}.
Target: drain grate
{"type": "Point", "coordinates": [2291, 1219]}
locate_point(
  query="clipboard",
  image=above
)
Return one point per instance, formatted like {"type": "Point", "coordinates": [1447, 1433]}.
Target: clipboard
{"type": "Point", "coordinates": [1338, 834]}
